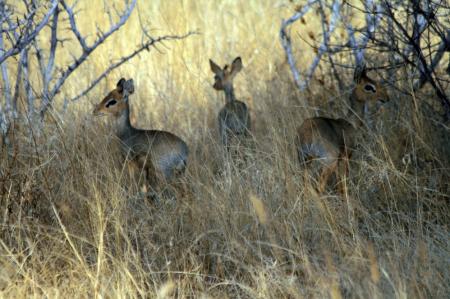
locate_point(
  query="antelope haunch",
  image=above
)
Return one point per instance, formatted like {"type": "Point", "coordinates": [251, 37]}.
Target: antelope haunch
{"type": "Point", "coordinates": [330, 140]}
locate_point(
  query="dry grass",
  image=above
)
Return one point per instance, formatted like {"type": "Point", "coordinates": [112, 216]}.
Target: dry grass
{"type": "Point", "coordinates": [74, 224]}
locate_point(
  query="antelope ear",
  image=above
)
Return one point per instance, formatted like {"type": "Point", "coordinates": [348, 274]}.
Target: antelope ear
{"type": "Point", "coordinates": [360, 72]}
{"type": "Point", "coordinates": [120, 85]}
{"type": "Point", "coordinates": [236, 66]}
{"type": "Point", "coordinates": [128, 86]}
{"type": "Point", "coordinates": [214, 67]}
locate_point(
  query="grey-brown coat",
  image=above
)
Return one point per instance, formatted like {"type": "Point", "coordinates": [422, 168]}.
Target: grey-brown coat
{"type": "Point", "coordinates": [234, 117]}
{"type": "Point", "coordinates": [161, 153]}
{"type": "Point", "coordinates": [331, 140]}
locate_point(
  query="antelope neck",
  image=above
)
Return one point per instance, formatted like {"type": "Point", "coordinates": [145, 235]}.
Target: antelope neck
{"type": "Point", "coordinates": [123, 124]}
{"type": "Point", "coordinates": [357, 114]}
{"type": "Point", "coordinates": [229, 93]}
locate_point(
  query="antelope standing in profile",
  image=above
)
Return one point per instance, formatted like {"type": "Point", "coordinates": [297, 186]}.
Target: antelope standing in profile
{"type": "Point", "coordinates": [234, 117]}
{"type": "Point", "coordinates": [161, 154]}
{"type": "Point", "coordinates": [331, 140]}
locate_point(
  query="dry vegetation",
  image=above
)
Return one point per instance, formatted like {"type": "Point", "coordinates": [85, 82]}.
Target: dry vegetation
{"type": "Point", "coordinates": [73, 223]}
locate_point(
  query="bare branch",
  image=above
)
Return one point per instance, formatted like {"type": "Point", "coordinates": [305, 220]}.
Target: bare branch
{"type": "Point", "coordinates": [24, 41]}
{"type": "Point", "coordinates": [4, 126]}
{"type": "Point", "coordinates": [286, 42]}
{"type": "Point", "coordinates": [48, 72]}
{"type": "Point", "coordinates": [324, 47]}
{"type": "Point", "coordinates": [27, 84]}
{"type": "Point", "coordinates": [6, 84]}
{"type": "Point", "coordinates": [75, 64]}
{"type": "Point", "coordinates": [17, 86]}
{"type": "Point", "coordinates": [374, 13]}
{"type": "Point", "coordinates": [126, 58]}
{"type": "Point", "coordinates": [443, 47]}
{"type": "Point", "coordinates": [74, 27]}
{"type": "Point", "coordinates": [22, 32]}
{"type": "Point", "coordinates": [372, 22]}
{"type": "Point", "coordinates": [423, 67]}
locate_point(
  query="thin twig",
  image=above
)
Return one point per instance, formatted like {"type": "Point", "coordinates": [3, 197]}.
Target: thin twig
{"type": "Point", "coordinates": [128, 57]}
{"type": "Point", "coordinates": [287, 45]}
{"type": "Point", "coordinates": [86, 52]}
{"type": "Point", "coordinates": [24, 41]}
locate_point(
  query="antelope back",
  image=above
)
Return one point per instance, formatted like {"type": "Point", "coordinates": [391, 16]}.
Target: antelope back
{"type": "Point", "coordinates": [235, 117]}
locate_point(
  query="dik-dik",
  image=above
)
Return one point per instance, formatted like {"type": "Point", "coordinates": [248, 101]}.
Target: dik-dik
{"type": "Point", "coordinates": [234, 117]}
{"type": "Point", "coordinates": [331, 140]}
{"type": "Point", "coordinates": [160, 153]}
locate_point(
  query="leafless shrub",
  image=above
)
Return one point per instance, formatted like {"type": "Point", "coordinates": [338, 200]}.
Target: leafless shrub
{"type": "Point", "coordinates": [413, 34]}
{"type": "Point", "coordinates": [19, 42]}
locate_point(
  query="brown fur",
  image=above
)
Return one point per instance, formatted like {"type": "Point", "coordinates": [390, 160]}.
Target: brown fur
{"type": "Point", "coordinates": [331, 140]}
{"type": "Point", "coordinates": [234, 117]}
{"type": "Point", "coordinates": [160, 153]}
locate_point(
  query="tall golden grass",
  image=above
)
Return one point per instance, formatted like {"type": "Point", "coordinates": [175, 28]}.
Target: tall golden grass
{"type": "Point", "coordinates": [75, 224]}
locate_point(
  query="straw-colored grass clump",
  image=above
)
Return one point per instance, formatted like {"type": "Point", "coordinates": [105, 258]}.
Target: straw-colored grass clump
{"type": "Point", "coordinates": [75, 223]}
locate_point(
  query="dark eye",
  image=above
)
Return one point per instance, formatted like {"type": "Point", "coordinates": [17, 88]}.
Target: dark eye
{"type": "Point", "coordinates": [370, 88]}
{"type": "Point", "coordinates": [111, 103]}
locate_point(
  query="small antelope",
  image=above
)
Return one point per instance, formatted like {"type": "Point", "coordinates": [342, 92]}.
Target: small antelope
{"type": "Point", "coordinates": [331, 140]}
{"type": "Point", "coordinates": [234, 117]}
{"type": "Point", "coordinates": [161, 154]}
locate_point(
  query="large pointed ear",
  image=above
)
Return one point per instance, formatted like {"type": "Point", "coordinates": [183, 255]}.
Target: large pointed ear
{"type": "Point", "coordinates": [214, 67]}
{"type": "Point", "coordinates": [120, 85]}
{"type": "Point", "coordinates": [128, 87]}
{"type": "Point", "coordinates": [360, 72]}
{"type": "Point", "coordinates": [236, 66]}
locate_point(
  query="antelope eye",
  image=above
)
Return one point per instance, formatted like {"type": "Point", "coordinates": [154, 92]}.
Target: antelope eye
{"type": "Point", "coordinates": [370, 88]}
{"type": "Point", "coordinates": [110, 103]}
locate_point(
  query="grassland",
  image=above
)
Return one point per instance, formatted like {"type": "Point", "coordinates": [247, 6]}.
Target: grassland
{"type": "Point", "coordinates": [75, 224]}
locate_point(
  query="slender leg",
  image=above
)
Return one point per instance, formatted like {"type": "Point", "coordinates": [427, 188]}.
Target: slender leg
{"type": "Point", "coordinates": [223, 133]}
{"type": "Point", "coordinates": [342, 174]}
{"type": "Point", "coordinates": [152, 176]}
{"type": "Point", "coordinates": [135, 170]}
{"type": "Point", "coordinates": [324, 176]}
{"type": "Point", "coordinates": [342, 178]}
{"type": "Point", "coordinates": [132, 166]}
